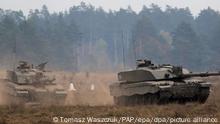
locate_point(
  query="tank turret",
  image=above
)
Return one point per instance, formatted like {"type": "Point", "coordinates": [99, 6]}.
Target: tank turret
{"type": "Point", "coordinates": [150, 83]}
{"type": "Point", "coordinates": [28, 74]}
{"type": "Point", "coordinates": [146, 71]}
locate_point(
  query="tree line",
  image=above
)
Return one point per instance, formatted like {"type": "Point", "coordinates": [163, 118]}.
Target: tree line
{"type": "Point", "coordinates": [90, 39]}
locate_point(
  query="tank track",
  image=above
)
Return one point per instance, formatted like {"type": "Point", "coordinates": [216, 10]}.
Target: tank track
{"type": "Point", "coordinates": [160, 98]}
{"type": "Point", "coordinates": [203, 95]}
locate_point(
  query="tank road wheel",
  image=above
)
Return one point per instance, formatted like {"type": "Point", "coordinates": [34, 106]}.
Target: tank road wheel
{"type": "Point", "coordinates": [131, 100]}
{"type": "Point", "coordinates": [150, 98]}
{"type": "Point", "coordinates": [136, 99]}
{"type": "Point", "coordinates": [154, 99]}
{"type": "Point", "coordinates": [143, 99]}
{"type": "Point", "coordinates": [120, 100]}
{"type": "Point", "coordinates": [182, 101]}
{"type": "Point", "coordinates": [164, 97]}
{"type": "Point", "coordinates": [126, 100]}
{"type": "Point", "coordinates": [116, 100]}
{"type": "Point", "coordinates": [203, 95]}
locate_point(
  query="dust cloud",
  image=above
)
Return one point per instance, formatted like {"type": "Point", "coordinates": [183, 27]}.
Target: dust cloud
{"type": "Point", "coordinates": [1, 95]}
{"type": "Point", "coordinates": [87, 88]}
{"type": "Point", "coordinates": [3, 100]}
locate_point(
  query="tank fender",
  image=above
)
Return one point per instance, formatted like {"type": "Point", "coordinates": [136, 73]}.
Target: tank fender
{"type": "Point", "coordinates": [206, 84]}
{"type": "Point", "coordinates": [22, 93]}
{"type": "Point", "coordinates": [164, 88]}
{"type": "Point", "coordinates": [60, 92]}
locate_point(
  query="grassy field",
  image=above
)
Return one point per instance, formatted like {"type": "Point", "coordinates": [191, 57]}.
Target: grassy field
{"type": "Point", "coordinates": [99, 104]}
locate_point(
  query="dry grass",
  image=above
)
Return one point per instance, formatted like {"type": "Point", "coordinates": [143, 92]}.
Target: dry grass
{"type": "Point", "coordinates": [99, 104]}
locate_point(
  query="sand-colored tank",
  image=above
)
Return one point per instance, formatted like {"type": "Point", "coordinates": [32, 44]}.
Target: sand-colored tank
{"type": "Point", "coordinates": [159, 84]}
{"type": "Point", "coordinates": [32, 84]}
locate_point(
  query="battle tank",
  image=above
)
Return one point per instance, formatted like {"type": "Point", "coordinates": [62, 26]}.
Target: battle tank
{"type": "Point", "coordinates": [160, 84]}
{"type": "Point", "coordinates": [28, 84]}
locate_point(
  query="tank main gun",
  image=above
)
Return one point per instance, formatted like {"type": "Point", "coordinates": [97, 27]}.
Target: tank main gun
{"type": "Point", "coordinates": [41, 66]}
{"type": "Point", "coordinates": [202, 74]}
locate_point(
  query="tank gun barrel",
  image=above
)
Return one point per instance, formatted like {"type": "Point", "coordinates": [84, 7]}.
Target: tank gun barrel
{"type": "Point", "coordinates": [203, 74]}
{"type": "Point", "coordinates": [177, 77]}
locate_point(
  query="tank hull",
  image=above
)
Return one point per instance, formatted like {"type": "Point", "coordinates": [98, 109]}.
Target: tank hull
{"type": "Point", "coordinates": [161, 92]}
{"type": "Point", "coordinates": [26, 94]}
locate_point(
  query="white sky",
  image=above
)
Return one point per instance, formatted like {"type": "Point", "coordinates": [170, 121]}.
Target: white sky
{"type": "Point", "coordinates": [61, 5]}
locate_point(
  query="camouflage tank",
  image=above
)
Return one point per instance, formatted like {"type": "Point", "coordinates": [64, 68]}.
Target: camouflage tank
{"type": "Point", "coordinates": [160, 84]}
{"type": "Point", "coordinates": [29, 84]}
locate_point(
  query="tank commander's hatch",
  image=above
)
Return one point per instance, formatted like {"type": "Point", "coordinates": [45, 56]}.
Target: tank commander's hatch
{"type": "Point", "coordinates": [144, 63]}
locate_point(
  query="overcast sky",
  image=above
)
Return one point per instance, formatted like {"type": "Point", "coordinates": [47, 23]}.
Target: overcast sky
{"type": "Point", "coordinates": [61, 5]}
